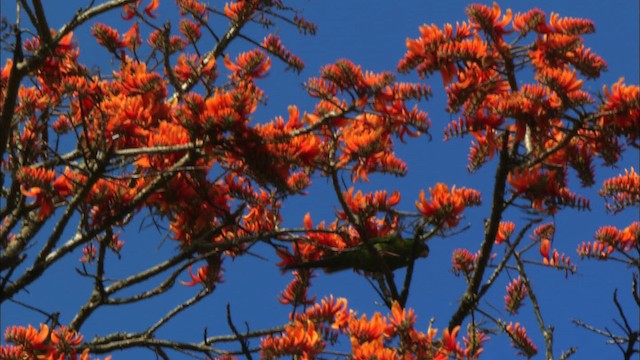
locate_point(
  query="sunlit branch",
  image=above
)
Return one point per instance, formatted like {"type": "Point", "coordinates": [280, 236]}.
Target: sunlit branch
{"type": "Point", "coordinates": [120, 341]}
{"type": "Point", "coordinates": [158, 290]}
{"type": "Point", "coordinates": [179, 308]}
{"type": "Point", "coordinates": [99, 298]}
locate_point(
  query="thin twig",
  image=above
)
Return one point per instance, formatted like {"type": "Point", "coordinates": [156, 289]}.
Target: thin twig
{"type": "Point", "coordinates": [241, 339]}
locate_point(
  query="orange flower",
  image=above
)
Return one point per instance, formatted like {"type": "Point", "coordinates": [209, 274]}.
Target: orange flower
{"type": "Point", "coordinates": [516, 293]}
{"type": "Point", "coordinates": [401, 319]}
{"type": "Point", "coordinates": [473, 342]}
{"type": "Point", "coordinates": [300, 338]}
{"type": "Point", "coordinates": [520, 341]}
{"type": "Point", "coordinates": [449, 342]}
{"type": "Point", "coordinates": [505, 229]}
{"type": "Point", "coordinates": [194, 7]}
{"type": "Point", "coordinates": [28, 337]}
{"type": "Point", "coordinates": [622, 101]}
{"type": "Point", "coordinates": [622, 240]}
{"type": "Point", "coordinates": [532, 20]}
{"type": "Point", "coordinates": [131, 39]}
{"type": "Point", "coordinates": [60, 343]}
{"type": "Point", "coordinates": [596, 249]}
{"type": "Point", "coordinates": [622, 191]}
{"type": "Point", "coordinates": [204, 276]}
{"type": "Point", "coordinates": [463, 261]}
{"type": "Point", "coordinates": [184, 68]}
{"type": "Point", "coordinates": [153, 6]}
{"type": "Point", "coordinates": [374, 349]}
{"type": "Point", "coordinates": [296, 291]}
{"type": "Point", "coordinates": [130, 11]}
{"type": "Point", "coordinates": [63, 338]}
{"type": "Point", "coordinates": [545, 246]}
{"type": "Point", "coordinates": [107, 37]}
{"type": "Point", "coordinates": [562, 80]}
{"type": "Point", "coordinates": [249, 65]}
{"type": "Point", "coordinates": [238, 11]}
{"type": "Point", "coordinates": [190, 29]}
{"type": "Point", "coordinates": [444, 207]}
{"type": "Point", "coordinates": [368, 204]}
{"type": "Point", "coordinates": [6, 70]}
{"type": "Point", "coordinates": [561, 262]}
{"type": "Point", "coordinates": [570, 26]}
{"type": "Point", "coordinates": [273, 44]}
{"type": "Point", "coordinates": [88, 253]}
{"type": "Point", "coordinates": [43, 201]}
{"type": "Point", "coordinates": [482, 17]}
{"type": "Point", "coordinates": [363, 330]}
{"type": "Point", "coordinates": [330, 310]}
{"type": "Point", "coordinates": [546, 189]}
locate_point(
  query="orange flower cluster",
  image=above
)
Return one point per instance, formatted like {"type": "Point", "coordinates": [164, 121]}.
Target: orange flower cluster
{"type": "Point", "coordinates": [464, 262]}
{"type": "Point", "coordinates": [296, 293]}
{"type": "Point", "coordinates": [190, 66]}
{"type": "Point", "coordinates": [308, 334]}
{"type": "Point", "coordinates": [622, 191]}
{"type": "Point", "coordinates": [516, 293]}
{"type": "Point", "coordinates": [366, 140]}
{"type": "Point", "coordinates": [546, 189]}
{"type": "Point", "coordinates": [313, 245]}
{"type": "Point", "coordinates": [206, 275]}
{"type": "Point", "coordinates": [239, 11]}
{"type": "Point", "coordinates": [610, 239]}
{"type": "Point", "coordinates": [445, 206]}
{"type": "Point", "coordinates": [543, 235]}
{"type": "Point", "coordinates": [190, 30]}
{"type": "Point", "coordinates": [196, 8]}
{"type": "Point", "coordinates": [520, 340]}
{"type": "Point", "coordinates": [489, 20]}
{"type": "Point", "coordinates": [131, 10]}
{"type": "Point", "coordinates": [477, 64]}
{"type": "Point", "coordinates": [556, 259]}
{"type": "Point", "coordinates": [622, 109]}
{"type": "Point", "coordinates": [42, 343]}
{"type": "Point", "coordinates": [367, 206]}
{"type": "Point", "coordinates": [505, 229]}
{"type": "Point", "coordinates": [273, 44]}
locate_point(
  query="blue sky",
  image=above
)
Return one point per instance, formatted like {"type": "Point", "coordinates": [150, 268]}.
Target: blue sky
{"type": "Point", "coordinates": [372, 34]}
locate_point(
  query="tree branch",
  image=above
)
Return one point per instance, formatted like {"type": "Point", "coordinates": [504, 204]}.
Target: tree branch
{"type": "Point", "coordinates": [470, 298]}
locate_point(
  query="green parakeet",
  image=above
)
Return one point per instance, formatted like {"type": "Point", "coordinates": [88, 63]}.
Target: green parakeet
{"type": "Point", "coordinates": [396, 252]}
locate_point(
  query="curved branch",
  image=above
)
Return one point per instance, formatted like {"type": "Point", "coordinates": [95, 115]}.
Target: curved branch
{"type": "Point", "coordinates": [470, 298]}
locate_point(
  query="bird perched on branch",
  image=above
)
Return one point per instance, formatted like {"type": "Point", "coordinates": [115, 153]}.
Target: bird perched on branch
{"type": "Point", "coordinates": [396, 251]}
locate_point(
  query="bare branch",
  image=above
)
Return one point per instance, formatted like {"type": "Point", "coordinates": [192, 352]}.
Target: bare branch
{"type": "Point", "coordinates": [175, 311]}
{"type": "Point", "coordinates": [241, 338]}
